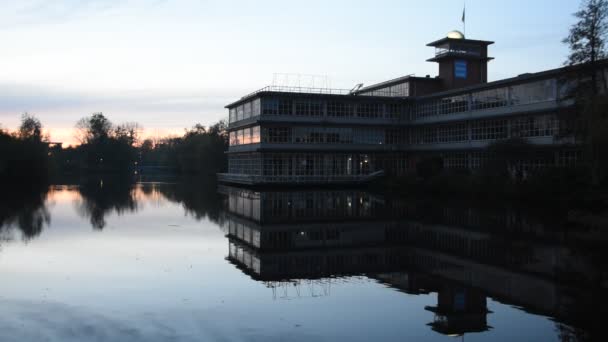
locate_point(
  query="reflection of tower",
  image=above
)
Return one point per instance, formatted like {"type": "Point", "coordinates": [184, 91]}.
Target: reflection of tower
{"type": "Point", "coordinates": [459, 311]}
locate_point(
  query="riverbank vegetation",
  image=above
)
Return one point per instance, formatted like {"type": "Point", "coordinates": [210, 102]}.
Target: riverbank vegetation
{"type": "Point", "coordinates": [26, 155]}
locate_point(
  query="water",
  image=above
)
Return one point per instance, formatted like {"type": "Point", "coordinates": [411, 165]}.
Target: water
{"type": "Point", "coordinates": [114, 261]}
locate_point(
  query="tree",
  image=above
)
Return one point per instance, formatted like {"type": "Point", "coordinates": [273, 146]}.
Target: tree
{"type": "Point", "coordinates": [128, 132]}
{"type": "Point", "coordinates": [30, 128]}
{"type": "Point", "coordinates": [587, 40]}
{"type": "Point", "coordinates": [94, 128]}
{"type": "Point", "coordinates": [587, 37]}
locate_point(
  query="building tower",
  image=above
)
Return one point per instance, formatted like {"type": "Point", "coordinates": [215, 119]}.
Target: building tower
{"type": "Point", "coordinates": [462, 62]}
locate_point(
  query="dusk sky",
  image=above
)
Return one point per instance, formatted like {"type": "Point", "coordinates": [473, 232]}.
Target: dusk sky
{"type": "Point", "coordinates": [169, 64]}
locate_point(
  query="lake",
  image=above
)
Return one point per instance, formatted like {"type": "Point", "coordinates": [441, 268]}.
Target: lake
{"type": "Point", "coordinates": [114, 260]}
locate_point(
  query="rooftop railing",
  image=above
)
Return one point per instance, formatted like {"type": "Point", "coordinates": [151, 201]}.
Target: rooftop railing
{"type": "Point", "coordinates": [308, 90]}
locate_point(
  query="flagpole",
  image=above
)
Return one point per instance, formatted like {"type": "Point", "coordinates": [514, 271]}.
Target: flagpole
{"type": "Point", "coordinates": [464, 19]}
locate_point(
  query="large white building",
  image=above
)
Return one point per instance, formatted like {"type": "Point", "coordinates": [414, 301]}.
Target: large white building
{"type": "Point", "coordinates": [283, 135]}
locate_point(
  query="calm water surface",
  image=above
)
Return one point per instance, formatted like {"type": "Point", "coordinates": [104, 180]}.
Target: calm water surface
{"type": "Point", "coordinates": [114, 261]}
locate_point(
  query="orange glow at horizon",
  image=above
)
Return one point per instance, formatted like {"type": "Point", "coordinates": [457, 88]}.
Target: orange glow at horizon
{"type": "Point", "coordinates": [67, 136]}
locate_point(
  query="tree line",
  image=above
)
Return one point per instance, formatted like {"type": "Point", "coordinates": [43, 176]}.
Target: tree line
{"type": "Point", "coordinates": [108, 148]}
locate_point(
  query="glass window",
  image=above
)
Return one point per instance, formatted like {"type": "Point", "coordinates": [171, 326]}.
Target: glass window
{"type": "Point", "coordinates": [247, 110]}
{"type": "Point", "coordinates": [339, 109]}
{"type": "Point", "coordinates": [491, 98]}
{"type": "Point", "coordinates": [270, 106]}
{"type": "Point", "coordinates": [489, 129]}
{"type": "Point", "coordinates": [285, 107]}
{"type": "Point", "coordinates": [255, 109]}
{"type": "Point", "coordinates": [369, 110]}
{"type": "Point", "coordinates": [240, 111]}
{"type": "Point", "coordinates": [255, 135]}
{"type": "Point", "coordinates": [539, 91]}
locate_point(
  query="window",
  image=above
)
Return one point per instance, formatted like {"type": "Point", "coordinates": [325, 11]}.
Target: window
{"type": "Point", "coordinates": [308, 108]}
{"type": "Point", "coordinates": [270, 106]}
{"type": "Point", "coordinates": [369, 110]}
{"type": "Point", "coordinates": [245, 136]}
{"type": "Point", "coordinates": [255, 107]}
{"type": "Point", "coordinates": [492, 98]}
{"type": "Point", "coordinates": [534, 92]}
{"type": "Point", "coordinates": [255, 135]}
{"type": "Point", "coordinates": [240, 111]}
{"type": "Point", "coordinates": [489, 129]}
{"type": "Point", "coordinates": [442, 106]}
{"type": "Point", "coordinates": [285, 107]}
{"type": "Point", "coordinates": [339, 109]}
{"type": "Point", "coordinates": [232, 115]}
{"type": "Point", "coordinates": [394, 110]}
{"type": "Point", "coordinates": [534, 126]}
{"type": "Point", "coordinates": [395, 136]}
{"type": "Point", "coordinates": [452, 133]}
{"type": "Point", "coordinates": [276, 135]}
{"type": "Point", "coordinates": [247, 110]}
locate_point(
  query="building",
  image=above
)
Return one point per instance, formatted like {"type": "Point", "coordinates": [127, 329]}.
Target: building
{"type": "Point", "coordinates": [283, 135]}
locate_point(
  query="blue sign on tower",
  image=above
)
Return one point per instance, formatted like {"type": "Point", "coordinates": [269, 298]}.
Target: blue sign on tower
{"type": "Point", "coordinates": [460, 69]}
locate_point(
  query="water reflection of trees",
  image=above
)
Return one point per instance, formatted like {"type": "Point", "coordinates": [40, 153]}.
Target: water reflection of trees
{"type": "Point", "coordinates": [102, 196]}
{"type": "Point", "coordinates": [198, 196]}
{"type": "Point", "coordinates": [24, 209]}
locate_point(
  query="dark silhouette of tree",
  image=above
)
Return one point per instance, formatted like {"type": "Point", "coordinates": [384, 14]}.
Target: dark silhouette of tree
{"type": "Point", "coordinates": [587, 46]}
{"type": "Point", "coordinates": [93, 129]}
{"type": "Point", "coordinates": [587, 37]}
{"type": "Point", "coordinates": [30, 128]}
{"type": "Point", "coordinates": [24, 154]}
{"type": "Point", "coordinates": [105, 147]}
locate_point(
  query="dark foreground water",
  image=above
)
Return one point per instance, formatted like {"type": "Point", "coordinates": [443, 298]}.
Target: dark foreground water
{"type": "Point", "coordinates": [115, 261]}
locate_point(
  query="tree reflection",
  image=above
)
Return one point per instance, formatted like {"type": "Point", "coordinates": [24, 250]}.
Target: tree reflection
{"type": "Point", "coordinates": [198, 196]}
{"type": "Point", "coordinates": [104, 195]}
{"type": "Point", "coordinates": [24, 209]}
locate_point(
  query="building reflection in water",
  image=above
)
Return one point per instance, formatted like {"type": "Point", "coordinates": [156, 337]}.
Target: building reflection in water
{"type": "Point", "coordinates": [302, 241]}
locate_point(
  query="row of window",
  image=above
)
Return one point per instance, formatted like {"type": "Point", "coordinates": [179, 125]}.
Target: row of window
{"type": "Point", "coordinates": [525, 127]}
{"type": "Point", "coordinates": [301, 164]}
{"type": "Point", "coordinates": [245, 111]}
{"type": "Point", "coordinates": [528, 93]}
{"type": "Point", "coordinates": [315, 108]}
{"type": "Point", "coordinates": [476, 160]}
{"type": "Point", "coordinates": [539, 91]}
{"type": "Point", "coordinates": [343, 164]}
{"type": "Point", "coordinates": [245, 136]}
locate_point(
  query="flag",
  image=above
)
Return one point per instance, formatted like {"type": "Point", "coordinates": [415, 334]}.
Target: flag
{"type": "Point", "coordinates": [464, 14]}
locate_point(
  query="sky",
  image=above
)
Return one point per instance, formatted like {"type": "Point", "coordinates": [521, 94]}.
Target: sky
{"type": "Point", "coordinates": [169, 64]}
